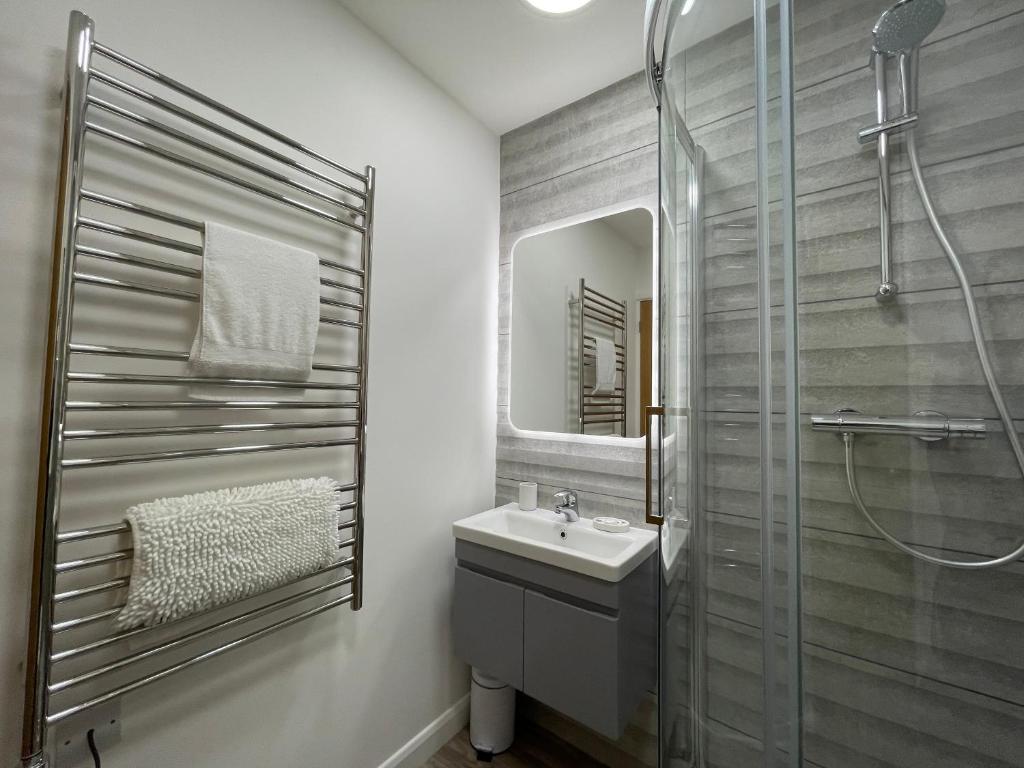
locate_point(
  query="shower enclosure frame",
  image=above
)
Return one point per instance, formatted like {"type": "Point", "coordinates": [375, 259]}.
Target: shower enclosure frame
{"type": "Point", "coordinates": [694, 410]}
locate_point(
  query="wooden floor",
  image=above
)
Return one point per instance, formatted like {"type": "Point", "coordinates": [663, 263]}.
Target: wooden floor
{"type": "Point", "coordinates": [533, 748]}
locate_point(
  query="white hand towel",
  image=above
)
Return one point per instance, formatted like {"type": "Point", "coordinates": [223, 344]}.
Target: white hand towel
{"type": "Point", "coordinates": [196, 552]}
{"type": "Point", "coordinates": [607, 363]}
{"type": "Point", "coordinates": [259, 311]}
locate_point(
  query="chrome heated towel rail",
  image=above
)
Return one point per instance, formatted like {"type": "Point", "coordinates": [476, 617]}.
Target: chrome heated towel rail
{"type": "Point", "coordinates": [598, 313]}
{"type": "Point", "coordinates": [113, 243]}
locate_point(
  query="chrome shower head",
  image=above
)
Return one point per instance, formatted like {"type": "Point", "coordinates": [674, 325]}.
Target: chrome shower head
{"type": "Point", "coordinates": [905, 26]}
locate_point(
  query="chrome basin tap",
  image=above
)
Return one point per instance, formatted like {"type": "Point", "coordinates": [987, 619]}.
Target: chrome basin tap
{"type": "Point", "coordinates": [567, 505]}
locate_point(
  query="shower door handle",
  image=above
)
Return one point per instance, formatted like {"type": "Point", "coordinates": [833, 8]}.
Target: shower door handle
{"type": "Point", "coordinates": [652, 11]}
{"type": "Point", "coordinates": [649, 514]}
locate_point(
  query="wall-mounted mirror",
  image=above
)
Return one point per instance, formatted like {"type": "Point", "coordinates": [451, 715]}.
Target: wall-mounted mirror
{"type": "Point", "coordinates": [582, 326]}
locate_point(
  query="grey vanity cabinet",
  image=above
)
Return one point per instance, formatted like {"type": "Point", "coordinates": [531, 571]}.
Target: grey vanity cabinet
{"type": "Point", "coordinates": [570, 661]}
{"type": "Point", "coordinates": [490, 637]}
{"type": "Point", "coordinates": [585, 647]}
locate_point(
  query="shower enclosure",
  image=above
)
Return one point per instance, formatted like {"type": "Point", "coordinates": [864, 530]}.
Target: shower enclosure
{"type": "Point", "coordinates": [834, 460]}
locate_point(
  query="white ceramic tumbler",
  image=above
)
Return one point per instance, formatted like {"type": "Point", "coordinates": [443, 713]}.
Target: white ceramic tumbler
{"type": "Point", "coordinates": [527, 496]}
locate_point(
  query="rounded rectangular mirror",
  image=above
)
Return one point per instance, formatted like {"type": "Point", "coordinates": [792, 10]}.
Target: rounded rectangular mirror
{"type": "Point", "coordinates": [582, 326]}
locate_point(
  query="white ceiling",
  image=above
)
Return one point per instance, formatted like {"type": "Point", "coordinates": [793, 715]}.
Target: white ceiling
{"type": "Point", "coordinates": [504, 62]}
{"type": "Point", "coordinates": [508, 64]}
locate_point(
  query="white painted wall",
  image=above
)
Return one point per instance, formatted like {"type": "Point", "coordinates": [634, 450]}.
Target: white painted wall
{"type": "Point", "coordinates": [345, 689]}
{"type": "Point", "coordinates": [546, 269]}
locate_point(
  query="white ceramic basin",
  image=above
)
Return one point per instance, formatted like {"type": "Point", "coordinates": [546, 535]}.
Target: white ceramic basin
{"type": "Point", "coordinates": [546, 537]}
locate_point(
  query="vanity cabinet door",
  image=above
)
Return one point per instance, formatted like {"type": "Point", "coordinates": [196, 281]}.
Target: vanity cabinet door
{"type": "Point", "coordinates": [570, 662]}
{"type": "Point", "coordinates": [489, 625]}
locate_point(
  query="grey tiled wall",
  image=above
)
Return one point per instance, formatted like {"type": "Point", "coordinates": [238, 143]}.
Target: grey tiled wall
{"type": "Point", "coordinates": [905, 665]}
{"type": "Point", "coordinates": [598, 152]}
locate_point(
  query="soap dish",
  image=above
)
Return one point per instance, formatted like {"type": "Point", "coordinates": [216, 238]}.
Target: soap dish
{"type": "Point", "coordinates": [611, 524]}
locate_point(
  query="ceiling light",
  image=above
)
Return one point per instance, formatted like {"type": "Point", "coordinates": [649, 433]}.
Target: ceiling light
{"type": "Point", "coordinates": [558, 6]}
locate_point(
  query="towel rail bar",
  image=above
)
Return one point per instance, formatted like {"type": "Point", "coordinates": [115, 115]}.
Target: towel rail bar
{"type": "Point", "coordinates": [202, 122]}
{"type": "Point", "coordinates": [587, 348]}
{"type": "Point", "coordinates": [178, 269]}
{"type": "Point", "coordinates": [180, 294]}
{"type": "Point", "coordinates": [119, 583]}
{"type": "Point", "coordinates": [142, 210]}
{"type": "Point", "coordinates": [205, 656]}
{"type": "Point", "coordinates": [201, 429]}
{"type": "Point", "coordinates": [83, 534]}
{"type": "Point", "coordinates": [137, 261]}
{"type": "Point", "coordinates": [588, 314]}
{"type": "Point", "coordinates": [199, 453]}
{"type": "Point", "coordinates": [174, 133]}
{"type": "Point", "coordinates": [70, 625]}
{"type": "Point", "coordinates": [92, 561]}
{"type": "Point", "coordinates": [118, 230]}
{"type": "Point", "coordinates": [80, 570]}
{"type": "Point", "coordinates": [128, 285]}
{"type": "Point", "coordinates": [165, 354]}
{"type": "Point", "coordinates": [59, 627]}
{"type": "Point", "coordinates": [91, 590]}
{"type": "Point", "coordinates": [615, 302]}
{"type": "Point", "coordinates": [340, 304]}
{"type": "Point", "coordinates": [85, 222]}
{"type": "Point", "coordinates": [616, 310]}
{"type": "Point", "coordinates": [214, 173]}
{"type": "Point", "coordinates": [142, 69]}
{"type": "Point", "coordinates": [589, 361]}
{"type": "Point", "coordinates": [117, 637]}
{"type": "Point", "coordinates": [591, 338]}
{"type": "Point", "coordinates": [136, 378]}
{"type": "Point", "coordinates": [191, 637]}
{"type": "Point", "coordinates": [615, 317]}
{"type": "Point", "coordinates": [225, 405]}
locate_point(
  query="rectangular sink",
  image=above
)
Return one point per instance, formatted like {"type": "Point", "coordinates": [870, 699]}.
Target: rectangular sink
{"type": "Point", "coordinates": [543, 536]}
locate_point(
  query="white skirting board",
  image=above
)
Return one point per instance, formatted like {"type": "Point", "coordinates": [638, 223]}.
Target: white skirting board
{"type": "Point", "coordinates": [424, 744]}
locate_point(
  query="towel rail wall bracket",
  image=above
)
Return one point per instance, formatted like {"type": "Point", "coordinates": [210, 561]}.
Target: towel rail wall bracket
{"type": "Point", "coordinates": [304, 181]}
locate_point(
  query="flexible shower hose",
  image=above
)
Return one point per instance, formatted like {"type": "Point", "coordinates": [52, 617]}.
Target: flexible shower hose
{"type": "Point", "coordinates": [986, 367]}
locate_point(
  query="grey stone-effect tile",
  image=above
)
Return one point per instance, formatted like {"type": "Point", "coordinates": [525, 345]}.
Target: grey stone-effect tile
{"type": "Point", "coordinates": [730, 165]}
{"type": "Point", "coordinates": [504, 370]}
{"type": "Point", "coordinates": [971, 93]}
{"type": "Point", "coordinates": [858, 714]}
{"type": "Point", "coordinates": [892, 359]}
{"type": "Point", "coordinates": [617, 457]}
{"type": "Point", "coordinates": [832, 38]}
{"type": "Point", "coordinates": [604, 124]}
{"type": "Point", "coordinates": [504, 297]}
{"type": "Point", "coordinates": [719, 75]}
{"type": "Point", "coordinates": [609, 470]}
{"type": "Point", "coordinates": [961, 496]}
{"type": "Point", "coordinates": [627, 176]}
{"type": "Point", "coordinates": [864, 598]}
{"type": "Point", "coordinates": [981, 204]}
{"type": "Point", "coordinates": [972, 101]}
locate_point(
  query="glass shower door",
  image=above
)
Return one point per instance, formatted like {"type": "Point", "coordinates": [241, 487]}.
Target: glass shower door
{"type": "Point", "coordinates": [726, 447]}
{"type": "Point", "coordinates": [679, 432]}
